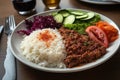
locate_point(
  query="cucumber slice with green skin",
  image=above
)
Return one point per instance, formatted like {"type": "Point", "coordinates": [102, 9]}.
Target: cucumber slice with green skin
{"type": "Point", "coordinates": [77, 13]}
{"type": "Point", "coordinates": [83, 16]}
{"type": "Point", "coordinates": [58, 18]}
{"type": "Point", "coordinates": [64, 13]}
{"type": "Point", "coordinates": [54, 13]}
{"type": "Point", "coordinates": [90, 15]}
{"type": "Point", "coordinates": [69, 19]}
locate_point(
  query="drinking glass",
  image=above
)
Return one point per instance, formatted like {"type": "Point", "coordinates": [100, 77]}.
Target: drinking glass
{"type": "Point", "coordinates": [51, 4]}
{"type": "Point", "coordinates": [24, 7]}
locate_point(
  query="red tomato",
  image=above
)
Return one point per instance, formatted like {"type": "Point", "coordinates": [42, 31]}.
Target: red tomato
{"type": "Point", "coordinates": [110, 31]}
{"type": "Point", "coordinates": [97, 35]}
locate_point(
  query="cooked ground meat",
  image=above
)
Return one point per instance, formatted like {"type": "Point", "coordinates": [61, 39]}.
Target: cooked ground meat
{"type": "Point", "coordinates": [80, 48]}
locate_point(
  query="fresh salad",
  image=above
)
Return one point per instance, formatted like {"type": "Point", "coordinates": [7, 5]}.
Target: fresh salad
{"type": "Point", "coordinates": [76, 19]}
{"type": "Point", "coordinates": [87, 22]}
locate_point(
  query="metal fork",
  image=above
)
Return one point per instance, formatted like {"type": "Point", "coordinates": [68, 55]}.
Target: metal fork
{"type": "Point", "coordinates": [9, 63]}
{"type": "Point", "coordinates": [1, 30]}
{"type": "Point", "coordinates": [9, 25]}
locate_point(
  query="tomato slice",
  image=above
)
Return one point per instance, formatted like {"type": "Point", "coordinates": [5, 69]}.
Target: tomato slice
{"type": "Point", "coordinates": [97, 35]}
{"type": "Point", "coordinates": [111, 32]}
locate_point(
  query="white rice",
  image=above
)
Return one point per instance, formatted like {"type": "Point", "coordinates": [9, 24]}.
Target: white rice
{"type": "Point", "coordinates": [36, 50]}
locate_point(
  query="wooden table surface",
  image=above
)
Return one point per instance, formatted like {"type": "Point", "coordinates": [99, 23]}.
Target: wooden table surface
{"type": "Point", "coordinates": [110, 70]}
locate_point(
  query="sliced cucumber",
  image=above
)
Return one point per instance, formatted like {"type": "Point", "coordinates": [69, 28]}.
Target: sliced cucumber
{"type": "Point", "coordinates": [58, 18]}
{"type": "Point", "coordinates": [69, 19]}
{"type": "Point", "coordinates": [90, 15]}
{"type": "Point", "coordinates": [77, 13]}
{"type": "Point", "coordinates": [54, 13]}
{"type": "Point", "coordinates": [64, 12]}
{"type": "Point", "coordinates": [83, 16]}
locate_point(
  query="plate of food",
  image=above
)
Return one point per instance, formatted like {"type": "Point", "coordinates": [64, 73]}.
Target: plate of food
{"type": "Point", "coordinates": [101, 2]}
{"type": "Point", "coordinates": [65, 40]}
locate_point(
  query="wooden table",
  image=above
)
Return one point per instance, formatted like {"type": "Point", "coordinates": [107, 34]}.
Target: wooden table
{"type": "Point", "coordinates": [110, 70]}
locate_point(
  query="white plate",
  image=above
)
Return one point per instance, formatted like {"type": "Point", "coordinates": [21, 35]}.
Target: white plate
{"type": "Point", "coordinates": [101, 2]}
{"type": "Point", "coordinates": [16, 39]}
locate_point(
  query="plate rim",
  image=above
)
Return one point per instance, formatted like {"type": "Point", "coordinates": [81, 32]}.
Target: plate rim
{"type": "Point", "coordinates": [99, 2]}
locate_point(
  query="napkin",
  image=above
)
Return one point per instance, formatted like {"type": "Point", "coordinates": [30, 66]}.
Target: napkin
{"type": "Point", "coordinates": [9, 64]}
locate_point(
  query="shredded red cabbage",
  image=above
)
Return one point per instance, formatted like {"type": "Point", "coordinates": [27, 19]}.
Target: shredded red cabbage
{"type": "Point", "coordinates": [40, 22]}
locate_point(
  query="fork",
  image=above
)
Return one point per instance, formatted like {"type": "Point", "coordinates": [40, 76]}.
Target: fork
{"type": "Point", "coordinates": [1, 30]}
{"type": "Point", "coordinates": [9, 63]}
{"type": "Point", "coordinates": [9, 25]}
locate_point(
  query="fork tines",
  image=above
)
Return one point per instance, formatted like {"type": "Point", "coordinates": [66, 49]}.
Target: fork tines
{"type": "Point", "coordinates": [9, 24]}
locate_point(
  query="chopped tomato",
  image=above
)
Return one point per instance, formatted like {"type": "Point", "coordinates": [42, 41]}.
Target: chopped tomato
{"type": "Point", "coordinates": [97, 35]}
{"type": "Point", "coordinates": [111, 32]}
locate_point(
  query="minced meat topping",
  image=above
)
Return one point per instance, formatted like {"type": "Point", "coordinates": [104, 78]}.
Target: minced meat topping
{"type": "Point", "coordinates": [80, 48]}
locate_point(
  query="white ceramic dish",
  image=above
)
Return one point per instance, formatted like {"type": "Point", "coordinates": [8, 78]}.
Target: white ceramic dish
{"type": "Point", "coordinates": [100, 2]}
{"type": "Point", "coordinates": [16, 39]}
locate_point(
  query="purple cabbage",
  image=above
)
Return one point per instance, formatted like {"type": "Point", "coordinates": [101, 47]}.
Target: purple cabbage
{"type": "Point", "coordinates": [40, 22]}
